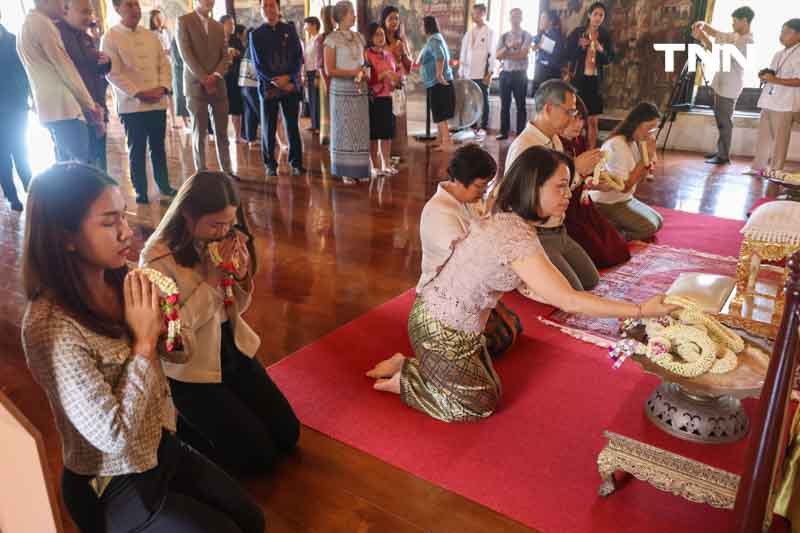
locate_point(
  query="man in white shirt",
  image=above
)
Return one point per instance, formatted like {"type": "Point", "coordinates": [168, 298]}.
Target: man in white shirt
{"type": "Point", "coordinates": [140, 80]}
{"type": "Point", "coordinates": [62, 101]}
{"type": "Point", "coordinates": [779, 102]}
{"type": "Point", "coordinates": [477, 59]}
{"type": "Point", "coordinates": [446, 218]}
{"type": "Point", "coordinates": [555, 103]}
{"type": "Point", "coordinates": [727, 85]}
{"type": "Point", "coordinates": [312, 27]}
{"type": "Point", "coordinates": [204, 49]}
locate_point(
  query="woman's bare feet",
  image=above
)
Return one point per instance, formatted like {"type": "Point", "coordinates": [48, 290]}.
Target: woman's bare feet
{"type": "Point", "coordinates": [389, 385]}
{"type": "Point", "coordinates": [388, 367]}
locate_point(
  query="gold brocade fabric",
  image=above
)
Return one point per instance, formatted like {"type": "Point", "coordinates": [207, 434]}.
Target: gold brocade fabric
{"type": "Point", "coordinates": [787, 502]}
{"type": "Point", "coordinates": [452, 378]}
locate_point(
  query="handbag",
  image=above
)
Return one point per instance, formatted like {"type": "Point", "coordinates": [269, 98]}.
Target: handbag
{"type": "Point", "coordinates": [399, 102]}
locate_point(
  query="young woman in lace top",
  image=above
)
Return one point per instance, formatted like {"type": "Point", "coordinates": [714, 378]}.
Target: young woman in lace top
{"type": "Point", "coordinates": [451, 377]}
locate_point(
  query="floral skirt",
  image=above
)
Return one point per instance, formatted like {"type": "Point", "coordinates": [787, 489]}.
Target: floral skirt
{"type": "Point", "coordinates": [451, 377]}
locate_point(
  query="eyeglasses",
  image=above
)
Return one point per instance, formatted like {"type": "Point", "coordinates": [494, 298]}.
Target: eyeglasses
{"type": "Point", "coordinates": [571, 112]}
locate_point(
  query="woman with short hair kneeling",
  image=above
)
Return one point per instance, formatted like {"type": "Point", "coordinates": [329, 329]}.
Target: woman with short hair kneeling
{"type": "Point", "coordinates": [452, 378]}
{"type": "Point", "coordinates": [629, 150]}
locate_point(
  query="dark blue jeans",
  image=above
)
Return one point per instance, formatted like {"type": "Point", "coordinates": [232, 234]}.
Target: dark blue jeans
{"type": "Point", "coordinates": [184, 492]}
{"type": "Point", "coordinates": [71, 140]}
{"type": "Point", "coordinates": [290, 105]}
{"type": "Point", "coordinates": [143, 129]}
{"type": "Point", "coordinates": [97, 149]}
{"type": "Point", "coordinates": [513, 83]}
{"type": "Point", "coordinates": [13, 152]}
{"type": "Point", "coordinates": [252, 113]}
{"type": "Point", "coordinates": [313, 97]}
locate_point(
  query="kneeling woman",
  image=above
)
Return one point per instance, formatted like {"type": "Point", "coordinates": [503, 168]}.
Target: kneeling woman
{"type": "Point", "coordinates": [633, 218]}
{"type": "Point", "coordinates": [229, 407]}
{"type": "Point", "coordinates": [452, 378]}
{"type": "Point", "coordinates": [90, 334]}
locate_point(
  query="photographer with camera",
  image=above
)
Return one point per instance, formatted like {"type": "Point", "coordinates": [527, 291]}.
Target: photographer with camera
{"type": "Point", "coordinates": [779, 102]}
{"type": "Point", "coordinates": [727, 85]}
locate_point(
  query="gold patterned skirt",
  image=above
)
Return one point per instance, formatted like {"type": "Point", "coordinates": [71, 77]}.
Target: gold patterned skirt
{"type": "Point", "coordinates": [452, 378]}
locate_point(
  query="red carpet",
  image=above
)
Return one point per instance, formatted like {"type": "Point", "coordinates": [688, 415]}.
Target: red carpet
{"type": "Point", "coordinates": [535, 459]}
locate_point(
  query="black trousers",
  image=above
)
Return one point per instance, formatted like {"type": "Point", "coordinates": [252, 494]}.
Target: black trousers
{"type": "Point", "coordinates": [313, 97]}
{"type": "Point", "coordinates": [244, 423]}
{"type": "Point", "coordinates": [184, 493]}
{"type": "Point", "coordinates": [513, 83]}
{"type": "Point", "coordinates": [544, 73]}
{"type": "Point", "coordinates": [97, 149]}
{"type": "Point", "coordinates": [484, 123]}
{"type": "Point", "coordinates": [147, 128]}
{"type": "Point", "coordinates": [252, 113]}
{"type": "Point", "coordinates": [290, 105]}
{"type": "Point", "coordinates": [13, 152]}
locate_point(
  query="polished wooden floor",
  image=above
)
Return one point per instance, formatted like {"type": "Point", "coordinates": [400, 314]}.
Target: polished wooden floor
{"type": "Point", "coordinates": [329, 253]}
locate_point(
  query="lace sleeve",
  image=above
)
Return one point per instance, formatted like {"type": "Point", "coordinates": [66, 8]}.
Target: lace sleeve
{"type": "Point", "coordinates": [515, 238]}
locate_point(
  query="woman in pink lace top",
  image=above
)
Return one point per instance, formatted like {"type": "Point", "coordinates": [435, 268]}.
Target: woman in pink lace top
{"type": "Point", "coordinates": [451, 377]}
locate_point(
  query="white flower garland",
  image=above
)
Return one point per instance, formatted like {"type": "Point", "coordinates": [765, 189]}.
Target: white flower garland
{"type": "Point", "coordinates": [169, 306]}
{"type": "Point", "coordinates": [688, 345]}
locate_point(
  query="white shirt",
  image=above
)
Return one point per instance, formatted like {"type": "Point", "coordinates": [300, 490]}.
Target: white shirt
{"type": "Point", "coordinates": [58, 90]}
{"type": "Point", "coordinates": [444, 220]}
{"type": "Point", "coordinates": [780, 97]}
{"type": "Point", "coordinates": [137, 64]}
{"type": "Point", "coordinates": [311, 55]}
{"type": "Point", "coordinates": [730, 84]}
{"type": "Point", "coordinates": [622, 158]}
{"type": "Point", "coordinates": [165, 38]}
{"type": "Point", "coordinates": [477, 48]}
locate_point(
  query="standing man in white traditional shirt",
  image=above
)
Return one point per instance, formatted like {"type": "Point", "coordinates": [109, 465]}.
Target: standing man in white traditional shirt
{"type": "Point", "coordinates": [779, 102]}
{"type": "Point", "coordinates": [62, 101]}
{"type": "Point", "coordinates": [727, 85]}
{"type": "Point", "coordinates": [141, 80]}
{"type": "Point", "coordinates": [477, 60]}
{"type": "Point", "coordinates": [204, 49]}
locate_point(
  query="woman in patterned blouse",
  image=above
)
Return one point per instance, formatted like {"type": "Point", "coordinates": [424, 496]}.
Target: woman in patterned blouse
{"type": "Point", "coordinates": [91, 338]}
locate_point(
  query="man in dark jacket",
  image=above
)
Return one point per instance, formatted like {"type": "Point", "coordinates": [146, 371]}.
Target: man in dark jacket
{"type": "Point", "coordinates": [14, 92]}
{"type": "Point", "coordinates": [93, 66]}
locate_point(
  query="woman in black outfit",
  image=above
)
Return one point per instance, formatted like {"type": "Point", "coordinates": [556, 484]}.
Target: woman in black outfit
{"type": "Point", "coordinates": [548, 64]}
{"type": "Point", "coordinates": [589, 50]}
{"type": "Point", "coordinates": [236, 50]}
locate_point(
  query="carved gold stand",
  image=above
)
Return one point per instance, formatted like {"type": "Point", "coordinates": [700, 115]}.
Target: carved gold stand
{"type": "Point", "coordinates": [756, 305]}
{"type": "Point", "coordinates": [666, 471]}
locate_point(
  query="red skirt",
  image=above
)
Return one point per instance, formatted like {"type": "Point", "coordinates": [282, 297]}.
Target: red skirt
{"type": "Point", "coordinates": [586, 225]}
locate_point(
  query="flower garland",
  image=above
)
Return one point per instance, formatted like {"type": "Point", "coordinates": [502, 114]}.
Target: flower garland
{"type": "Point", "coordinates": [229, 270]}
{"type": "Point", "coordinates": [791, 179]}
{"type": "Point", "coordinates": [601, 176]}
{"type": "Point", "coordinates": [169, 306]}
{"type": "Point", "coordinates": [688, 344]}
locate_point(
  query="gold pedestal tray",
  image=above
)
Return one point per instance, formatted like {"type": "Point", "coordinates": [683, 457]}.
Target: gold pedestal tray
{"type": "Point", "coordinates": [706, 408]}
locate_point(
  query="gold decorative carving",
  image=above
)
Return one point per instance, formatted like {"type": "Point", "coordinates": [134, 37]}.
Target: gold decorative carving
{"type": "Point", "coordinates": [666, 471]}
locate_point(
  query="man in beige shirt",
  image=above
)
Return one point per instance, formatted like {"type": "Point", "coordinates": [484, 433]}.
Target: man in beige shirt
{"type": "Point", "coordinates": [204, 49]}
{"type": "Point", "coordinates": [62, 101]}
{"type": "Point", "coordinates": [140, 79]}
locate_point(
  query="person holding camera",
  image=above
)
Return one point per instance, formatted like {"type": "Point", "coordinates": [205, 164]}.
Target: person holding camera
{"type": "Point", "coordinates": [779, 102]}
{"type": "Point", "coordinates": [727, 85]}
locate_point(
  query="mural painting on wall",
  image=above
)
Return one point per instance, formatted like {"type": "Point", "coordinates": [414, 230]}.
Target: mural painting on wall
{"type": "Point", "coordinates": [638, 72]}
{"type": "Point", "coordinates": [172, 9]}
{"type": "Point", "coordinates": [248, 12]}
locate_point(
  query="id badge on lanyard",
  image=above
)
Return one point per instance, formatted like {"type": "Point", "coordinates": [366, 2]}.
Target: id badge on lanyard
{"type": "Point", "coordinates": [771, 90]}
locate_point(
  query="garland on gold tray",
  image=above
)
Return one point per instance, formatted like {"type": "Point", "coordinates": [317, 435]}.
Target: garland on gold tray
{"type": "Point", "coordinates": [688, 344]}
{"type": "Point", "coordinates": [169, 306]}
{"type": "Point", "coordinates": [791, 179]}
{"type": "Point", "coordinates": [228, 269]}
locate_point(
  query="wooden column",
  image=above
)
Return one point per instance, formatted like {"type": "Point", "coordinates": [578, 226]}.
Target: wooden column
{"type": "Point", "coordinates": [362, 12]}
{"type": "Point", "coordinates": [229, 9]}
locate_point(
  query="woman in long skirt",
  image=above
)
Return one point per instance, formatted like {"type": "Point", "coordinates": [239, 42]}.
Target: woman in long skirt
{"type": "Point", "coordinates": [326, 15]}
{"type": "Point", "coordinates": [344, 60]}
{"type": "Point", "coordinates": [397, 44]}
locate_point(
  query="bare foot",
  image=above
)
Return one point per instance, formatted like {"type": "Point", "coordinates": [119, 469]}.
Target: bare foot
{"type": "Point", "coordinates": [388, 367]}
{"type": "Point", "coordinates": [389, 385]}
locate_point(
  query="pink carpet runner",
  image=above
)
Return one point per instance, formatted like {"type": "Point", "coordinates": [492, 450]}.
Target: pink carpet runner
{"type": "Point", "coordinates": [535, 459]}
